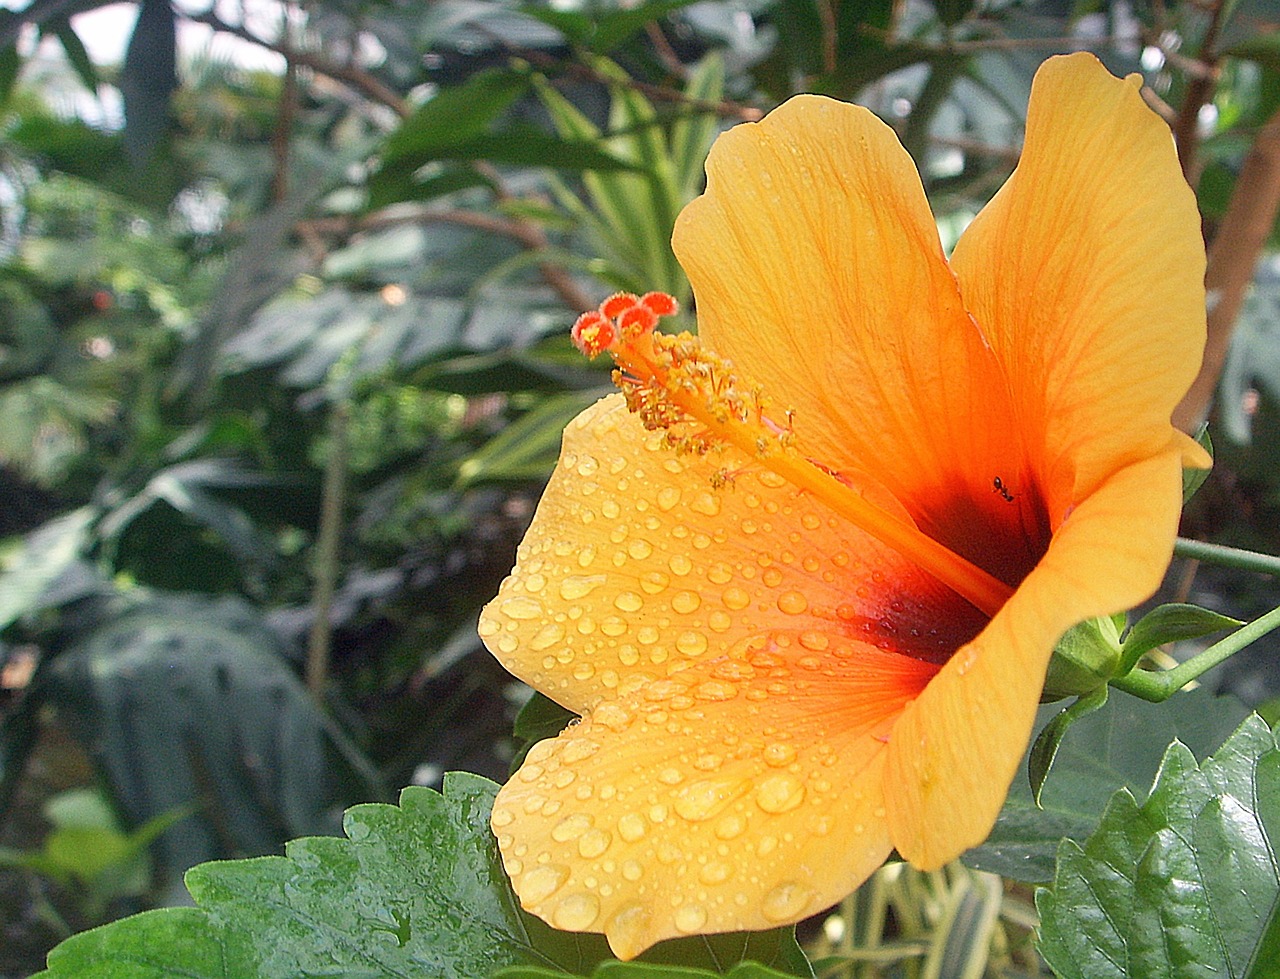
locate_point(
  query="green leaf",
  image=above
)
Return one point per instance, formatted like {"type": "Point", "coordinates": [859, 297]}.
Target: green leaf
{"type": "Point", "coordinates": [1118, 746]}
{"type": "Point", "coordinates": [1192, 479]}
{"type": "Point", "coordinates": [1045, 747]}
{"type": "Point", "coordinates": [414, 890]}
{"type": "Point", "coordinates": [147, 79]}
{"type": "Point", "coordinates": [76, 53]}
{"type": "Point", "coordinates": [1184, 885]}
{"type": "Point", "coordinates": [454, 115]}
{"type": "Point", "coordinates": [540, 718]}
{"type": "Point", "coordinates": [1170, 623]}
{"type": "Point", "coordinates": [527, 448]}
{"type": "Point", "coordinates": [602, 29]}
{"type": "Point", "coordinates": [45, 554]}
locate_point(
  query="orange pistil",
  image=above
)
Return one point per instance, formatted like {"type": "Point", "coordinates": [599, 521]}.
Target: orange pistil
{"type": "Point", "coordinates": [694, 396]}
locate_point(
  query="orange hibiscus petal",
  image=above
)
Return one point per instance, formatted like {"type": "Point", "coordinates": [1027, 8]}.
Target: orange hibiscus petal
{"type": "Point", "coordinates": [1086, 274]}
{"type": "Point", "coordinates": [955, 750]}
{"type": "Point", "coordinates": [818, 271]}
{"type": "Point", "coordinates": [634, 568]}
{"type": "Point", "coordinates": [742, 793]}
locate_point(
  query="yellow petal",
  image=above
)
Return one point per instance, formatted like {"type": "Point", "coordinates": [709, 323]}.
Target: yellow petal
{"type": "Point", "coordinates": [742, 793]}
{"type": "Point", "coordinates": [817, 270]}
{"type": "Point", "coordinates": [955, 750]}
{"type": "Point", "coordinates": [1086, 274]}
{"type": "Point", "coordinates": [635, 567]}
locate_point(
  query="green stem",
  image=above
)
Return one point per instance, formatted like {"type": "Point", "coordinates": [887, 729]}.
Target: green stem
{"type": "Point", "coordinates": [1156, 686]}
{"type": "Point", "coordinates": [1227, 557]}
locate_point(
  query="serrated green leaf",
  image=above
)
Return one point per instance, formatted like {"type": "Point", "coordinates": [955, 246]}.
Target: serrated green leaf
{"type": "Point", "coordinates": [1118, 746]}
{"type": "Point", "coordinates": [414, 890]}
{"type": "Point", "coordinates": [1170, 623]}
{"type": "Point", "coordinates": [1184, 885]}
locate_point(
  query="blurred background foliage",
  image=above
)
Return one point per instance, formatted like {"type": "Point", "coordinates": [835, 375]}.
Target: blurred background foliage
{"type": "Point", "coordinates": [285, 290]}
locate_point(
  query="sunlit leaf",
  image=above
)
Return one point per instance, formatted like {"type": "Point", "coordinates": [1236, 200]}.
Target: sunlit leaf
{"type": "Point", "coordinates": [1186, 883]}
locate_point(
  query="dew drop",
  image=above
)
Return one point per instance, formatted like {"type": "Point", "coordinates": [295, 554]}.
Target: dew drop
{"type": "Point", "coordinates": [546, 637]}
{"type": "Point", "coordinates": [814, 641]}
{"type": "Point", "coordinates": [501, 817]}
{"type": "Point", "coordinates": [593, 843]}
{"type": "Point", "coordinates": [628, 929]}
{"type": "Point", "coordinates": [639, 548]}
{"type": "Point", "coordinates": [690, 917]}
{"type": "Point", "coordinates": [731, 826]}
{"type": "Point", "coordinates": [578, 749]}
{"type": "Point", "coordinates": [780, 792]}
{"type": "Point", "coordinates": [632, 870]}
{"type": "Point", "coordinates": [718, 621]}
{"type": "Point", "coordinates": [577, 912]}
{"type": "Point", "coordinates": [772, 577]}
{"type": "Point", "coordinates": [685, 602]}
{"type": "Point", "coordinates": [715, 691]}
{"type": "Point", "coordinates": [571, 827]}
{"type": "Point", "coordinates": [653, 582]}
{"type": "Point", "coordinates": [792, 602]}
{"type": "Point", "coordinates": [631, 827]}
{"type": "Point", "coordinates": [706, 503]}
{"type": "Point", "coordinates": [779, 754]}
{"type": "Point", "coordinates": [668, 497]}
{"type": "Point", "coordinates": [691, 643]}
{"type": "Point", "coordinates": [736, 598]}
{"type": "Point", "coordinates": [522, 608]}
{"type": "Point", "coordinates": [628, 601]}
{"type": "Point", "coordinates": [714, 872]}
{"type": "Point", "coordinates": [785, 902]}
{"type": "Point", "coordinates": [680, 564]}
{"type": "Point", "coordinates": [811, 521]}
{"type": "Point", "coordinates": [613, 626]}
{"type": "Point", "coordinates": [611, 716]}
{"type": "Point", "coordinates": [579, 586]}
{"type": "Point", "coordinates": [707, 798]}
{"type": "Point", "coordinates": [541, 882]}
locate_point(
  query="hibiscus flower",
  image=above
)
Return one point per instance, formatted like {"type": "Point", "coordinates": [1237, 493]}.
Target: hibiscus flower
{"type": "Point", "coordinates": [803, 579]}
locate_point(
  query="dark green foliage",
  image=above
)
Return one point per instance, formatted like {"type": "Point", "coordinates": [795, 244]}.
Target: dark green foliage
{"type": "Point", "coordinates": [1185, 884]}
{"type": "Point", "coordinates": [415, 889]}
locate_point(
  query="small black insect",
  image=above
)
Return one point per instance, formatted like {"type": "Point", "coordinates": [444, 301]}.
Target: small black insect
{"type": "Point", "coordinates": [998, 486]}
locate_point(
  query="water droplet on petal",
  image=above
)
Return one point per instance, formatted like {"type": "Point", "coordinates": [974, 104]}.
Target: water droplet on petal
{"type": "Point", "coordinates": [707, 798]}
{"type": "Point", "coordinates": [541, 882]}
{"type": "Point", "coordinates": [731, 826]}
{"type": "Point", "coordinates": [631, 827]}
{"type": "Point", "coordinates": [680, 565]}
{"type": "Point", "coordinates": [706, 503]}
{"type": "Point", "coordinates": [501, 817]}
{"type": "Point", "coordinates": [629, 601]}
{"type": "Point", "coordinates": [792, 602]}
{"type": "Point", "coordinates": [785, 902]}
{"type": "Point", "coordinates": [668, 497]}
{"type": "Point", "coordinates": [685, 602]}
{"type": "Point", "coordinates": [522, 608]}
{"type": "Point", "coordinates": [736, 598]}
{"type": "Point", "coordinates": [779, 754]}
{"type": "Point", "coordinates": [780, 792]}
{"type": "Point", "coordinates": [691, 643]}
{"type": "Point", "coordinates": [639, 548]}
{"type": "Point", "coordinates": [577, 912]}
{"type": "Point", "coordinates": [547, 636]}
{"type": "Point", "coordinates": [571, 827]}
{"type": "Point", "coordinates": [715, 872]}
{"type": "Point", "coordinates": [593, 843]}
{"type": "Point", "coordinates": [690, 917]}
{"type": "Point", "coordinates": [579, 586]}
{"type": "Point", "coordinates": [628, 930]}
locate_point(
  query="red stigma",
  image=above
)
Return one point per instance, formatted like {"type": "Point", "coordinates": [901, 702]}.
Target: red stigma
{"type": "Point", "coordinates": [660, 303]}
{"type": "Point", "coordinates": [617, 304]}
{"type": "Point", "coordinates": [593, 333]}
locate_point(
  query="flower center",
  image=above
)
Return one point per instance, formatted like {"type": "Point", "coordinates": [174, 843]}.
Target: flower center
{"type": "Point", "coordinates": [698, 401]}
